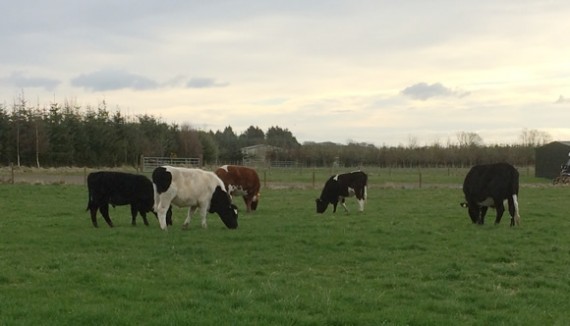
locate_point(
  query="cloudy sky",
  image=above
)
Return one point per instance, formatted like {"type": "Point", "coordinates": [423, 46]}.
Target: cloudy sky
{"type": "Point", "coordinates": [382, 72]}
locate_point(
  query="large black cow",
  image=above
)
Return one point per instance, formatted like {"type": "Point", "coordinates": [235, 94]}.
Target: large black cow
{"type": "Point", "coordinates": [119, 188]}
{"type": "Point", "coordinates": [340, 186]}
{"type": "Point", "coordinates": [489, 185]}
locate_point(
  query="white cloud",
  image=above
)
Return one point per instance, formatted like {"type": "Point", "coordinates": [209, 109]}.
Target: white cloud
{"type": "Point", "coordinates": [111, 79]}
{"type": "Point", "coordinates": [200, 82]}
{"type": "Point", "coordinates": [20, 80]}
{"type": "Point", "coordinates": [423, 91]}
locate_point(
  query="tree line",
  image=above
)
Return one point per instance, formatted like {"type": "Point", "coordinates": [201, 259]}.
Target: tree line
{"type": "Point", "coordinates": [69, 135]}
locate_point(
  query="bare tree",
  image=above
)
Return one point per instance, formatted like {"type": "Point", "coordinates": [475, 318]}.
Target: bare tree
{"type": "Point", "coordinates": [469, 139]}
{"type": "Point", "coordinates": [534, 138]}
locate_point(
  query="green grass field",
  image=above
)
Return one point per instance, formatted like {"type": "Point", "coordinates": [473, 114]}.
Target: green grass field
{"type": "Point", "coordinates": [412, 258]}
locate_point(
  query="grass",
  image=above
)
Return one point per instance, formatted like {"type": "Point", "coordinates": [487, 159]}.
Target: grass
{"type": "Point", "coordinates": [412, 258]}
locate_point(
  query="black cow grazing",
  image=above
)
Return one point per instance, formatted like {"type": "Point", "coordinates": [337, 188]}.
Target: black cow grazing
{"type": "Point", "coordinates": [340, 186]}
{"type": "Point", "coordinates": [489, 185]}
{"type": "Point", "coordinates": [119, 188]}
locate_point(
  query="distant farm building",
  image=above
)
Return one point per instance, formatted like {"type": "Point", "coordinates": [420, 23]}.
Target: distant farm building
{"type": "Point", "coordinates": [257, 153]}
{"type": "Point", "coordinates": [550, 157]}
{"type": "Point", "coordinates": [265, 155]}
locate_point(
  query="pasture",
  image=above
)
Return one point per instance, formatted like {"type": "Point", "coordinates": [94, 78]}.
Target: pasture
{"type": "Point", "coordinates": [412, 258]}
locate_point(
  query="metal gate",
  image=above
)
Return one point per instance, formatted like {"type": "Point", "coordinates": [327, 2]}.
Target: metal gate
{"type": "Point", "coordinates": [150, 163]}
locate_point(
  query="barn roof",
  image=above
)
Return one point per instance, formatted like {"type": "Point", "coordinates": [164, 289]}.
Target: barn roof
{"type": "Point", "coordinates": [563, 142]}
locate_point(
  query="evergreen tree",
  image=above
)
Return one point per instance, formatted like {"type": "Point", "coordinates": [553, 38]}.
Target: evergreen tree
{"type": "Point", "coordinates": [252, 136]}
{"type": "Point", "coordinates": [230, 150]}
{"type": "Point", "coordinates": [282, 138]}
{"type": "Point", "coordinates": [210, 150]}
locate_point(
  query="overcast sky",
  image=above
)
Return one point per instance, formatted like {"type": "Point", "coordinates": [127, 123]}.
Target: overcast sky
{"type": "Point", "coordinates": [381, 72]}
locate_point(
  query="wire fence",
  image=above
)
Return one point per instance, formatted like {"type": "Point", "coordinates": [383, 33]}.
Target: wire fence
{"type": "Point", "coordinates": [280, 177]}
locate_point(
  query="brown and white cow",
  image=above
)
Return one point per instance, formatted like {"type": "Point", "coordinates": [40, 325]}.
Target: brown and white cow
{"type": "Point", "coordinates": [241, 181]}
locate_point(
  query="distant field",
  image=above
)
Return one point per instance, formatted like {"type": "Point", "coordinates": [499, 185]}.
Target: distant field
{"type": "Point", "coordinates": [413, 257]}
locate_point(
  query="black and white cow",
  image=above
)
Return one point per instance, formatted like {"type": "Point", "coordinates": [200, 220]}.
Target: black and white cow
{"type": "Point", "coordinates": [340, 186]}
{"type": "Point", "coordinates": [192, 188]}
{"type": "Point", "coordinates": [119, 188]}
{"type": "Point", "coordinates": [489, 185]}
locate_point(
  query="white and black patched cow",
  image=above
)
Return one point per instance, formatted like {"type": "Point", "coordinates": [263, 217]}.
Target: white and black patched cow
{"type": "Point", "coordinates": [193, 188]}
{"type": "Point", "coordinates": [340, 186]}
{"type": "Point", "coordinates": [489, 185]}
{"type": "Point", "coordinates": [119, 188]}
{"type": "Point", "coordinates": [241, 181]}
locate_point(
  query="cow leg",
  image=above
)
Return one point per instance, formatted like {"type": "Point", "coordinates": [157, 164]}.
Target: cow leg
{"type": "Point", "coordinates": [361, 198]}
{"type": "Point", "coordinates": [93, 211]}
{"type": "Point", "coordinates": [162, 209]}
{"type": "Point", "coordinates": [104, 209]}
{"type": "Point", "coordinates": [342, 202]}
{"type": "Point", "coordinates": [361, 205]}
{"type": "Point", "coordinates": [500, 211]}
{"type": "Point", "coordinates": [143, 215]}
{"type": "Point", "coordinates": [204, 213]}
{"type": "Point", "coordinates": [474, 211]}
{"type": "Point", "coordinates": [169, 216]}
{"type": "Point", "coordinates": [247, 202]}
{"type": "Point", "coordinates": [191, 211]}
{"type": "Point", "coordinates": [134, 212]}
{"type": "Point", "coordinates": [482, 216]}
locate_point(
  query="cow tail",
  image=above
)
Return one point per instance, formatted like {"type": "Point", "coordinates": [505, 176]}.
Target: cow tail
{"type": "Point", "coordinates": [89, 192]}
{"type": "Point", "coordinates": [365, 186]}
{"type": "Point", "coordinates": [515, 200]}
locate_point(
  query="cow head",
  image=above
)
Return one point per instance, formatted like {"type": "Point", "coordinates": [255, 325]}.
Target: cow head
{"type": "Point", "coordinates": [221, 204]}
{"type": "Point", "coordinates": [476, 213]}
{"type": "Point", "coordinates": [321, 205]}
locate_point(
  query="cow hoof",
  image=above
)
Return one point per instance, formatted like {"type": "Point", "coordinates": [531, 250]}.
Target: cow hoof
{"type": "Point", "coordinates": [185, 227]}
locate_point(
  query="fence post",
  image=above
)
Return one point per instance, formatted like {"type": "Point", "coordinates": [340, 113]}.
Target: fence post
{"type": "Point", "coordinates": [420, 178]}
{"type": "Point", "coordinates": [314, 178]}
{"type": "Point", "coordinates": [11, 173]}
{"type": "Point", "coordinates": [265, 179]}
